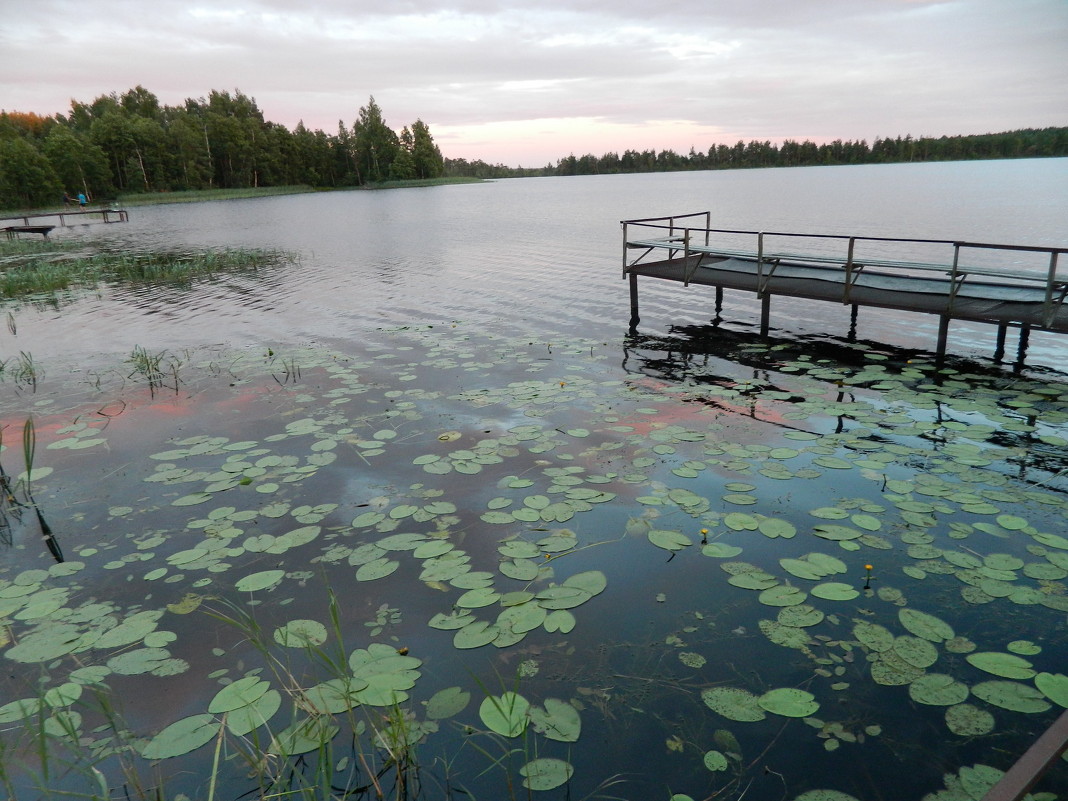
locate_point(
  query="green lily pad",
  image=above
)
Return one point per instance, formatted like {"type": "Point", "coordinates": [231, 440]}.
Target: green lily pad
{"type": "Point", "coordinates": [835, 591]}
{"type": "Point", "coordinates": [1011, 695]}
{"type": "Point", "coordinates": [260, 581]}
{"type": "Point", "coordinates": [924, 625]}
{"type": "Point", "coordinates": [720, 550]}
{"type": "Point", "coordinates": [182, 737]}
{"type": "Point", "coordinates": [800, 616]}
{"type": "Point", "coordinates": [301, 737]}
{"type": "Point", "coordinates": [238, 694]}
{"type": "Point", "coordinates": [546, 773]}
{"type": "Point", "coordinates": [475, 634]}
{"type": "Point", "coordinates": [669, 540]}
{"type": "Point", "coordinates": [446, 703]}
{"type": "Point", "coordinates": [1054, 686]}
{"type": "Point", "coordinates": [245, 719]}
{"type": "Point", "coordinates": [733, 703]}
{"type": "Point", "coordinates": [967, 720]}
{"type": "Point", "coordinates": [873, 636]}
{"type": "Point", "coordinates": [376, 569]}
{"type": "Point", "coordinates": [825, 795]}
{"type": "Point", "coordinates": [937, 689]}
{"type": "Point", "coordinates": [1008, 666]}
{"type": "Point", "coordinates": [783, 595]}
{"type": "Point", "coordinates": [300, 634]}
{"type": "Point", "coordinates": [774, 527]}
{"type": "Point", "coordinates": [831, 531]}
{"type": "Point", "coordinates": [916, 651]}
{"type": "Point", "coordinates": [557, 720]}
{"type": "Point", "coordinates": [560, 620]}
{"type": "Point", "coordinates": [789, 702]}
{"type": "Point", "coordinates": [715, 761]}
{"type": "Point", "coordinates": [506, 714]}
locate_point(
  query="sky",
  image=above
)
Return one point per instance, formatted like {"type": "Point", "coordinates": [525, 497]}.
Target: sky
{"type": "Point", "coordinates": [528, 83]}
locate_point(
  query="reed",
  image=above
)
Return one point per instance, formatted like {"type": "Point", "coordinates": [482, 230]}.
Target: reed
{"type": "Point", "coordinates": [28, 273]}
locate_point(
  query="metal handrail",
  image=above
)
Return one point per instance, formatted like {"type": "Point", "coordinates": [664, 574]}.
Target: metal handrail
{"type": "Point", "coordinates": [1056, 288]}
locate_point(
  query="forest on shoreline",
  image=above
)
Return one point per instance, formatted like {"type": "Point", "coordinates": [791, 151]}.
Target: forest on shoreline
{"type": "Point", "coordinates": [129, 143]}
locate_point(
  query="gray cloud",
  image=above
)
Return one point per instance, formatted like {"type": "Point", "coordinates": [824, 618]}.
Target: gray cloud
{"type": "Point", "coordinates": [714, 69]}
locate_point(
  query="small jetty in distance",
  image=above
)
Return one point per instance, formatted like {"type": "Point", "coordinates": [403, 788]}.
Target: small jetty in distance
{"type": "Point", "coordinates": [952, 279]}
{"type": "Point", "coordinates": [46, 222]}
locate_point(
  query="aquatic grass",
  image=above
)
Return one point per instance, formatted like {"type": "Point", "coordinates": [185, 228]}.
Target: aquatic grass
{"type": "Point", "coordinates": [156, 368]}
{"type": "Point", "coordinates": [206, 195]}
{"type": "Point", "coordinates": [30, 274]}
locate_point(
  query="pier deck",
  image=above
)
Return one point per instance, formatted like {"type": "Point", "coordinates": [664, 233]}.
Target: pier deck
{"type": "Point", "coordinates": [1006, 285]}
{"type": "Point", "coordinates": [33, 223]}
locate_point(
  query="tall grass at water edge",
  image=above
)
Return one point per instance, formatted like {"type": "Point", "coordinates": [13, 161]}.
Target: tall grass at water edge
{"type": "Point", "coordinates": [33, 272]}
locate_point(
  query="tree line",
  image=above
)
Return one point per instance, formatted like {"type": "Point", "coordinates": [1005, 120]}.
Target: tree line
{"type": "Point", "coordinates": [1025, 143]}
{"type": "Point", "coordinates": [131, 143]}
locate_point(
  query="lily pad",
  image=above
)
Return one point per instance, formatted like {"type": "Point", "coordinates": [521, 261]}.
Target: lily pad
{"type": "Point", "coordinates": [556, 720]}
{"type": "Point", "coordinates": [1054, 686]}
{"type": "Point", "coordinates": [546, 773]}
{"type": "Point", "coordinates": [260, 581]}
{"type": "Point", "coordinates": [1008, 666]}
{"type": "Point", "coordinates": [182, 737]}
{"type": "Point", "coordinates": [506, 714]}
{"type": "Point", "coordinates": [300, 634]}
{"type": "Point", "coordinates": [967, 720]}
{"type": "Point", "coordinates": [789, 702]}
{"type": "Point", "coordinates": [938, 689]}
{"type": "Point", "coordinates": [924, 625]}
{"type": "Point", "coordinates": [1011, 695]}
{"type": "Point", "coordinates": [669, 540]}
{"type": "Point", "coordinates": [446, 703]}
{"type": "Point", "coordinates": [733, 703]}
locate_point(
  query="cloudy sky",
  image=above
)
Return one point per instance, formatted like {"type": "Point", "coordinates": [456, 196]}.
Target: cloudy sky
{"type": "Point", "coordinates": [526, 83]}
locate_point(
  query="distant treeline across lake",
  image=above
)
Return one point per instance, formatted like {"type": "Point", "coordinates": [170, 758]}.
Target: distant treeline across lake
{"type": "Point", "coordinates": [130, 143]}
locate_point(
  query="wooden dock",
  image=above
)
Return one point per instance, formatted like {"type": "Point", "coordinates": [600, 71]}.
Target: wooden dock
{"type": "Point", "coordinates": [1005, 285]}
{"type": "Point", "coordinates": [44, 223]}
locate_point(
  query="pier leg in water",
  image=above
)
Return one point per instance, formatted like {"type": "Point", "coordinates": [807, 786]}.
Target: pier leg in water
{"type": "Point", "coordinates": [1021, 352]}
{"type": "Point", "coordinates": [943, 335]}
{"type": "Point", "coordinates": [634, 319]}
{"type": "Point", "coordinates": [765, 314]}
{"type": "Point", "coordinates": [719, 304]}
{"type": "Point", "coordinates": [999, 350]}
{"type": "Point", "coordinates": [852, 335]}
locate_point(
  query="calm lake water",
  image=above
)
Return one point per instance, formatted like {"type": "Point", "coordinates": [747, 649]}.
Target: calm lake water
{"type": "Point", "coordinates": [541, 254]}
{"type": "Point", "coordinates": [711, 564]}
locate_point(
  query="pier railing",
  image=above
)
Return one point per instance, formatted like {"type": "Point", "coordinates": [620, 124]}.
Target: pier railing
{"type": "Point", "coordinates": [107, 215]}
{"type": "Point", "coordinates": [681, 238]}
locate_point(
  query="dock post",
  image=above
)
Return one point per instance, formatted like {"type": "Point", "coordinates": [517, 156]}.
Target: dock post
{"type": "Point", "coordinates": [943, 335]}
{"type": "Point", "coordinates": [999, 350]}
{"type": "Point", "coordinates": [852, 336]}
{"type": "Point", "coordinates": [1021, 352]}
{"type": "Point", "coordinates": [765, 313]}
{"type": "Point", "coordinates": [634, 319]}
{"type": "Point", "coordinates": [719, 301]}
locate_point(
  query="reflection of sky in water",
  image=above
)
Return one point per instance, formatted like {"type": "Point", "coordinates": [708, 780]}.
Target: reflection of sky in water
{"type": "Point", "coordinates": [622, 660]}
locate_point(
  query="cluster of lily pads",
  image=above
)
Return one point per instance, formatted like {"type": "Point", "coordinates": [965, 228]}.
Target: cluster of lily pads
{"type": "Point", "coordinates": [876, 507]}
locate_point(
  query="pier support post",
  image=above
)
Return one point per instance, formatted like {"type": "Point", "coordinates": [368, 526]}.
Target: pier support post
{"type": "Point", "coordinates": [719, 300]}
{"type": "Point", "coordinates": [765, 313]}
{"type": "Point", "coordinates": [1021, 352]}
{"type": "Point", "coordinates": [852, 335]}
{"type": "Point", "coordinates": [999, 350]}
{"type": "Point", "coordinates": [943, 335]}
{"type": "Point", "coordinates": [634, 319]}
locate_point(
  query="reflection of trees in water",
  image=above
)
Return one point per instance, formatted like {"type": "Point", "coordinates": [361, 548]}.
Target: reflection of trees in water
{"type": "Point", "coordinates": [713, 356]}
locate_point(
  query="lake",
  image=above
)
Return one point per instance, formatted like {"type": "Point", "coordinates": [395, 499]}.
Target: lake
{"type": "Point", "coordinates": [412, 514]}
